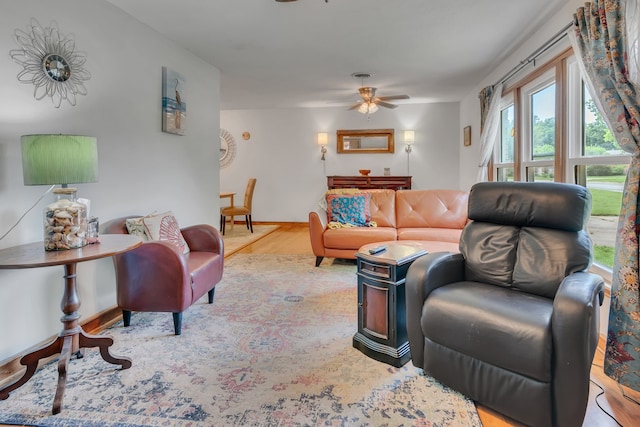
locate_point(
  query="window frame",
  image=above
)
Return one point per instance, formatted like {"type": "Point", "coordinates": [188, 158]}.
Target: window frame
{"type": "Point", "coordinates": [569, 132]}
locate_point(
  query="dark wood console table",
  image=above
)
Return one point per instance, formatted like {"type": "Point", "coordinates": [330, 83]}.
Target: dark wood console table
{"type": "Point", "coordinates": [72, 338]}
{"type": "Point", "coordinates": [368, 182]}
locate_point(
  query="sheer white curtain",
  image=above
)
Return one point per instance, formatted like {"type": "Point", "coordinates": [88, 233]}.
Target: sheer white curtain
{"type": "Point", "coordinates": [490, 131]}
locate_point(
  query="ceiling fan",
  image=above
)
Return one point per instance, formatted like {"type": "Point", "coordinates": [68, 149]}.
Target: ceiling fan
{"type": "Point", "coordinates": [370, 102]}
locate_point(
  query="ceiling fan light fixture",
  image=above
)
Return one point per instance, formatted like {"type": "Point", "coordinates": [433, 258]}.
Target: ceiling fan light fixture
{"type": "Point", "coordinates": [368, 108]}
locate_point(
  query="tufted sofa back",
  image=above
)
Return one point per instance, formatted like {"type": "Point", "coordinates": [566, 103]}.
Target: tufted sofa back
{"type": "Point", "coordinates": [383, 207]}
{"type": "Point", "coordinates": [431, 208]}
{"type": "Point", "coordinates": [528, 236]}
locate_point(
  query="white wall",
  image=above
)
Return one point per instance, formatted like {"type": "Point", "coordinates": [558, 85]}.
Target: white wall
{"type": "Point", "coordinates": [285, 158]}
{"type": "Point", "coordinates": [141, 168]}
{"type": "Point", "coordinates": [470, 105]}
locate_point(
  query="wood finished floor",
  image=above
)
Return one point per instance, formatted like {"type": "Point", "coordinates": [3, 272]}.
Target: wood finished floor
{"type": "Point", "coordinates": [294, 239]}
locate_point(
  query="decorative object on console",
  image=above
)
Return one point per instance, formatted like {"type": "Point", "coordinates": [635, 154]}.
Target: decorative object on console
{"type": "Point", "coordinates": [227, 148]}
{"type": "Point", "coordinates": [174, 107]}
{"type": "Point", "coordinates": [61, 159]}
{"type": "Point", "coordinates": [323, 139]}
{"type": "Point", "coordinates": [51, 63]}
{"type": "Point", "coordinates": [364, 172]}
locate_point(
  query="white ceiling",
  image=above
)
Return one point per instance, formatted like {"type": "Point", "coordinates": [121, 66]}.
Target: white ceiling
{"type": "Point", "coordinates": [302, 53]}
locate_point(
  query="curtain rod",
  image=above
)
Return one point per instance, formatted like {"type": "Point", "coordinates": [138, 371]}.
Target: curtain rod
{"type": "Point", "coordinates": [542, 49]}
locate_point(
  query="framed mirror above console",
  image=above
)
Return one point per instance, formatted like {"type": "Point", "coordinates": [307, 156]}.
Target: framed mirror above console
{"type": "Point", "coordinates": [365, 141]}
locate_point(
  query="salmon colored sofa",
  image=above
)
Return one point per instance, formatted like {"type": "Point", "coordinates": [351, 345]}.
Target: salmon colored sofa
{"type": "Point", "coordinates": [417, 215]}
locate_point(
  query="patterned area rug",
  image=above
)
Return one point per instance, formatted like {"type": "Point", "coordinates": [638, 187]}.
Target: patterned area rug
{"type": "Point", "coordinates": [238, 236]}
{"type": "Point", "coordinates": [274, 349]}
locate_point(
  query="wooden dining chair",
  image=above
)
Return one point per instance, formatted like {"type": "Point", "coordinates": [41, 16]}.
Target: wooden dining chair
{"type": "Point", "coordinates": [245, 209]}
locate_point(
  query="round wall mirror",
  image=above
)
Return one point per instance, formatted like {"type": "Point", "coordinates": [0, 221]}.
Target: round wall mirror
{"type": "Point", "coordinates": [227, 148]}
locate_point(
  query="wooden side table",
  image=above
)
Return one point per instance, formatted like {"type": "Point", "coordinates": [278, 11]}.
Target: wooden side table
{"type": "Point", "coordinates": [382, 330]}
{"type": "Point", "coordinates": [73, 337]}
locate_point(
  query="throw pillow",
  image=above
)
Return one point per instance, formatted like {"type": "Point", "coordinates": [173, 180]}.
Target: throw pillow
{"type": "Point", "coordinates": [351, 209]}
{"type": "Point", "coordinates": [323, 201]}
{"type": "Point", "coordinates": [165, 227]}
{"type": "Point", "coordinates": [136, 227]}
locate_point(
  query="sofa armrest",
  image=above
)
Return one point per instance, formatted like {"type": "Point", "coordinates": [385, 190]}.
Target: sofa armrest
{"type": "Point", "coordinates": [316, 228]}
{"type": "Point", "coordinates": [203, 238]}
{"type": "Point", "coordinates": [426, 274]}
{"type": "Point", "coordinates": [154, 262]}
{"type": "Point", "coordinates": [576, 307]}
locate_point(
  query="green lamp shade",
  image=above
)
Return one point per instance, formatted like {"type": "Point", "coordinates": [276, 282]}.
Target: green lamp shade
{"type": "Point", "coordinates": [59, 159]}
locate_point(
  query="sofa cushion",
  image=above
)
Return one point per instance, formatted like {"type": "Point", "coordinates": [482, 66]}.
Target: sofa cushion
{"type": "Point", "coordinates": [451, 235]}
{"type": "Point", "coordinates": [165, 227]}
{"type": "Point", "coordinates": [355, 237]}
{"type": "Point", "coordinates": [351, 209]}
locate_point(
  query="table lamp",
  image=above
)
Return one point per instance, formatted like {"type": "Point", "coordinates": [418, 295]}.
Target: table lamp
{"type": "Point", "coordinates": [61, 159]}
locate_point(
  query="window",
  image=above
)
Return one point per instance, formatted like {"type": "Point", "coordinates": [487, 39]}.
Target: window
{"type": "Point", "coordinates": [539, 128]}
{"type": "Point", "coordinates": [561, 136]}
{"type": "Point", "coordinates": [506, 154]}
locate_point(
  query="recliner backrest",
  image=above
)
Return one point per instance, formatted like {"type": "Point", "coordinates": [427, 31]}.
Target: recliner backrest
{"type": "Point", "coordinates": [528, 236]}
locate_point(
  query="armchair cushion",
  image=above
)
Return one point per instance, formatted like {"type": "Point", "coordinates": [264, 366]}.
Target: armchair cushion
{"type": "Point", "coordinates": [500, 329]}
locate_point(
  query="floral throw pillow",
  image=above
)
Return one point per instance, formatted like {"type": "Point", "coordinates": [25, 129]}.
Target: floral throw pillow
{"type": "Point", "coordinates": [136, 227]}
{"type": "Point", "coordinates": [165, 227]}
{"type": "Point", "coordinates": [351, 209]}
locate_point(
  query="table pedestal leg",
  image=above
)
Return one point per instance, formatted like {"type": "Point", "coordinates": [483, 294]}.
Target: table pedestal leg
{"type": "Point", "coordinates": [71, 340]}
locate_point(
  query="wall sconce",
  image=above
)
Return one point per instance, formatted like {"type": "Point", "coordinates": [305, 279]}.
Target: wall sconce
{"type": "Point", "coordinates": [323, 139]}
{"type": "Point", "coordinates": [409, 139]}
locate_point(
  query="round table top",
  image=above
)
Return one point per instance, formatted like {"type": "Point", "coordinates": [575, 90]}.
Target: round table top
{"type": "Point", "coordinates": [33, 254]}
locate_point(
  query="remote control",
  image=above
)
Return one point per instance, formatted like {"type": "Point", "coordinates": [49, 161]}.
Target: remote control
{"type": "Point", "coordinates": [377, 250]}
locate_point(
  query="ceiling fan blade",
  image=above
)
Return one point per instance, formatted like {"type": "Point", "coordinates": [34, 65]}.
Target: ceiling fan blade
{"type": "Point", "coordinates": [389, 98]}
{"type": "Point", "coordinates": [354, 106]}
{"type": "Point", "coordinates": [385, 104]}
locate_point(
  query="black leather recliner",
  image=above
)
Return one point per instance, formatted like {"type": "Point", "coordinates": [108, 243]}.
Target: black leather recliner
{"type": "Point", "coordinates": [512, 320]}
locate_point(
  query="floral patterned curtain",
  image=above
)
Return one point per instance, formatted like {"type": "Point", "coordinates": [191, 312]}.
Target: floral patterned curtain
{"type": "Point", "coordinates": [601, 43]}
{"type": "Point", "coordinates": [489, 125]}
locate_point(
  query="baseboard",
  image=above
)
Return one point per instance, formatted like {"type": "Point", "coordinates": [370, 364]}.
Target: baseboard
{"type": "Point", "coordinates": [11, 368]}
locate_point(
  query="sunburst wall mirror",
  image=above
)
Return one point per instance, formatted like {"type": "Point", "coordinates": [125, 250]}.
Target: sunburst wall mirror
{"type": "Point", "coordinates": [227, 148]}
{"type": "Point", "coordinates": [51, 63]}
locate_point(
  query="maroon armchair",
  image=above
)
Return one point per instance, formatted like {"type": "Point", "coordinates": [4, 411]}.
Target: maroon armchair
{"type": "Point", "coordinates": [157, 276]}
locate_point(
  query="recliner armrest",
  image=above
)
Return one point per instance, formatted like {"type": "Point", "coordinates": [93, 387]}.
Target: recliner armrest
{"type": "Point", "coordinates": [575, 325]}
{"type": "Point", "coordinates": [203, 238]}
{"type": "Point", "coordinates": [426, 274]}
